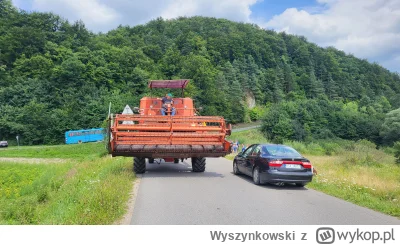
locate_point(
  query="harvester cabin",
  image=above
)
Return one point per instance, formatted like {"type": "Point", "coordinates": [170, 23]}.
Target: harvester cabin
{"type": "Point", "coordinates": [151, 106]}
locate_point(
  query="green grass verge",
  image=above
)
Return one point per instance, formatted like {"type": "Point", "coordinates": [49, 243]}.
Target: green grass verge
{"type": "Point", "coordinates": [354, 171]}
{"type": "Point", "coordinates": [365, 182]}
{"type": "Point", "coordinates": [76, 151]}
{"type": "Point", "coordinates": [248, 137]}
{"type": "Point", "coordinates": [89, 191]}
{"type": "Point", "coordinates": [245, 125]}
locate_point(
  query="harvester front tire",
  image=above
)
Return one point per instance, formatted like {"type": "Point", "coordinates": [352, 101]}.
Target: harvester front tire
{"type": "Point", "coordinates": [198, 164]}
{"type": "Point", "coordinates": [139, 165]}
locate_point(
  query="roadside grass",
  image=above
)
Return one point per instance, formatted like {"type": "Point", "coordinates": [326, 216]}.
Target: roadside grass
{"type": "Point", "coordinates": [366, 180]}
{"type": "Point", "coordinates": [92, 191]}
{"type": "Point", "coordinates": [248, 137]}
{"type": "Point", "coordinates": [354, 171]}
{"type": "Point", "coordinates": [76, 151]}
{"type": "Point", "coordinates": [230, 156]}
{"type": "Point", "coordinates": [246, 125]}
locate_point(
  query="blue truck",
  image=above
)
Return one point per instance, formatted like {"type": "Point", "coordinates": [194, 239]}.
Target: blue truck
{"type": "Point", "coordinates": [84, 135]}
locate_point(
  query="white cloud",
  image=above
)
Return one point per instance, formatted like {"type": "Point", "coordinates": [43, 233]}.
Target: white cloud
{"type": "Point", "coordinates": [95, 15]}
{"type": "Point", "coordinates": [238, 10]}
{"type": "Point", "coordinates": [103, 15]}
{"type": "Point", "coordinates": [367, 28]}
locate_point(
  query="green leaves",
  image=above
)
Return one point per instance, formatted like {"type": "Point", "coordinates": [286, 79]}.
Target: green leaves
{"type": "Point", "coordinates": [319, 119]}
{"type": "Point", "coordinates": [391, 127]}
{"type": "Point", "coordinates": [397, 151]}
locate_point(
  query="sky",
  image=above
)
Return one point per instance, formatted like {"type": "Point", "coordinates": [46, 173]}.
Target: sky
{"type": "Point", "coordinates": [367, 29]}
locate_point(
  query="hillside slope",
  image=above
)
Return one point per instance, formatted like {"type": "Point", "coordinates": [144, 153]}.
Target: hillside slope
{"type": "Point", "coordinates": [56, 76]}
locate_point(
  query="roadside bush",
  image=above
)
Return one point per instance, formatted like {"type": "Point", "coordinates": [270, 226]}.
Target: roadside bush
{"type": "Point", "coordinates": [364, 153]}
{"type": "Point", "coordinates": [365, 144]}
{"type": "Point", "coordinates": [397, 151]}
{"type": "Point", "coordinates": [388, 150]}
{"type": "Point", "coordinates": [331, 148]}
{"type": "Point", "coordinates": [256, 113]}
{"type": "Point", "coordinates": [315, 149]}
{"type": "Point", "coordinates": [361, 159]}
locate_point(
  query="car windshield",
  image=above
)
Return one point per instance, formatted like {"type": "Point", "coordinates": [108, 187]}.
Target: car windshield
{"type": "Point", "coordinates": [280, 150]}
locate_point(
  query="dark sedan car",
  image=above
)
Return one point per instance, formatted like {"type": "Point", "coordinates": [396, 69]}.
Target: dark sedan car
{"type": "Point", "coordinates": [269, 163]}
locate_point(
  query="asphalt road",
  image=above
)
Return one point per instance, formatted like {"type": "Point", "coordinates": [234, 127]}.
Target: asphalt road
{"type": "Point", "coordinates": [172, 194]}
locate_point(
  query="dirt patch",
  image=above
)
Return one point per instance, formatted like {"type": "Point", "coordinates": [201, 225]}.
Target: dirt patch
{"type": "Point", "coordinates": [32, 160]}
{"type": "Point", "coordinates": [71, 173]}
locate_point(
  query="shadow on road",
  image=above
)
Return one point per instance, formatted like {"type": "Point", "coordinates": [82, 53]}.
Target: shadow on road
{"type": "Point", "coordinates": [280, 186]}
{"type": "Point", "coordinates": [183, 170]}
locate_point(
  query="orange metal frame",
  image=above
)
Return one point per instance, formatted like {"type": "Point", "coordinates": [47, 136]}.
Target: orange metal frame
{"type": "Point", "coordinates": [168, 129]}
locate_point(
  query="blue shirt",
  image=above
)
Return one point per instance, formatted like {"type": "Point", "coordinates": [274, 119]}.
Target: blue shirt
{"type": "Point", "coordinates": [165, 100]}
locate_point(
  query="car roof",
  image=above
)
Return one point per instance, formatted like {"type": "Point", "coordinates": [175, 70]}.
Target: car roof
{"type": "Point", "coordinates": [267, 144]}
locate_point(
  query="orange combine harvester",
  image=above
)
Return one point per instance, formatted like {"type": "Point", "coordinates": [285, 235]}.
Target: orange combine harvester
{"type": "Point", "coordinates": [150, 134]}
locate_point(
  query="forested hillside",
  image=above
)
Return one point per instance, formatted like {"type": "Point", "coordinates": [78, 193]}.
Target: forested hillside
{"type": "Point", "coordinates": [56, 76]}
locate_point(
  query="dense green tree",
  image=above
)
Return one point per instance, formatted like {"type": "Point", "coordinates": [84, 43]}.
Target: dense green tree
{"type": "Point", "coordinates": [391, 127]}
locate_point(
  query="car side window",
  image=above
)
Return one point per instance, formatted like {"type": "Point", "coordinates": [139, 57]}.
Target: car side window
{"type": "Point", "coordinates": [256, 151]}
{"type": "Point", "coordinates": [248, 150]}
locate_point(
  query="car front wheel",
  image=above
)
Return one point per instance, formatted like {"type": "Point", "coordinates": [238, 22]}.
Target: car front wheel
{"type": "Point", "coordinates": [256, 176]}
{"type": "Point", "coordinates": [236, 168]}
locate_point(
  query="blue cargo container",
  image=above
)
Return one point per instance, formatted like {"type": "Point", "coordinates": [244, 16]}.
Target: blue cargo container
{"type": "Point", "coordinates": [84, 135]}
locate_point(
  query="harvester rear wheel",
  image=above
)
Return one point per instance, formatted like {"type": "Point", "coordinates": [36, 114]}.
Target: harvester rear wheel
{"type": "Point", "coordinates": [151, 160]}
{"type": "Point", "coordinates": [198, 164]}
{"type": "Point", "coordinates": [139, 165]}
{"type": "Point", "coordinates": [176, 160]}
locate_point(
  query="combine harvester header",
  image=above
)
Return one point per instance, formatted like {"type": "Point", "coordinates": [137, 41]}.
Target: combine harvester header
{"type": "Point", "coordinates": [171, 137]}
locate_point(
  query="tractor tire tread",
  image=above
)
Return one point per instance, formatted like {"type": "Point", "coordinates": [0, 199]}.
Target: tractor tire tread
{"type": "Point", "coordinates": [139, 165]}
{"type": "Point", "coordinates": [198, 164]}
